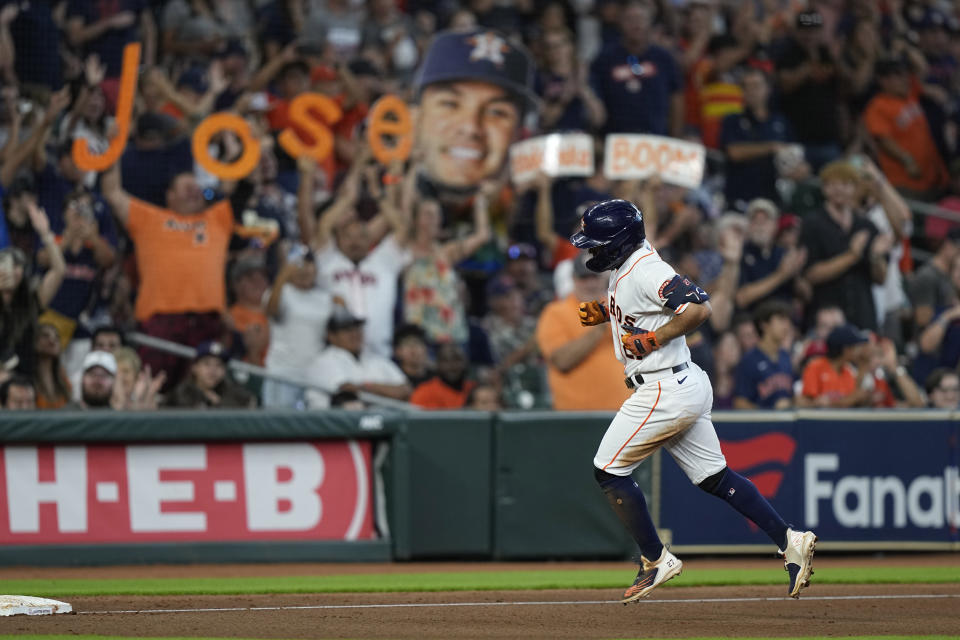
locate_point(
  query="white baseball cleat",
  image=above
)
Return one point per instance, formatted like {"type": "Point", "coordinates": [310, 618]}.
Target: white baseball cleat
{"type": "Point", "coordinates": [798, 559]}
{"type": "Point", "coordinates": [653, 574]}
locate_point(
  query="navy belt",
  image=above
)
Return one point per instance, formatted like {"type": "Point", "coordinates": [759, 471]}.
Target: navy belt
{"type": "Point", "coordinates": [635, 380]}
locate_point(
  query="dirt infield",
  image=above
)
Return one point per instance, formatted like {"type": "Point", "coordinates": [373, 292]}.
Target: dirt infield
{"type": "Point", "coordinates": [675, 612]}
{"type": "Point", "coordinates": [826, 610]}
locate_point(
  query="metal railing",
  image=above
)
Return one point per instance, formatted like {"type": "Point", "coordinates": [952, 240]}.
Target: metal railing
{"type": "Point", "coordinates": [247, 369]}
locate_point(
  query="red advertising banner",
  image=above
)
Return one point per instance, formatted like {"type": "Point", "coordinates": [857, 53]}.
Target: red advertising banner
{"type": "Point", "coordinates": [186, 492]}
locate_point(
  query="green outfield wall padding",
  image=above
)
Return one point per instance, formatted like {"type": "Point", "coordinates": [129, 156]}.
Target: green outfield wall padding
{"type": "Point", "coordinates": [547, 502]}
{"type": "Point", "coordinates": [442, 483]}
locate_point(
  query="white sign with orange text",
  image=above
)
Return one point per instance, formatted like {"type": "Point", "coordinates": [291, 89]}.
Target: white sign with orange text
{"type": "Point", "coordinates": [556, 155]}
{"type": "Point", "coordinates": [636, 156]}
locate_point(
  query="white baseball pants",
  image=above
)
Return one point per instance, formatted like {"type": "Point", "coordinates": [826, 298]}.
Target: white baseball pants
{"type": "Point", "coordinates": [672, 412]}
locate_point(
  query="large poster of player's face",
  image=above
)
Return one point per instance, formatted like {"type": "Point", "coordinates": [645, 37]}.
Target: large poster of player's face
{"type": "Point", "coordinates": [464, 130]}
{"type": "Point", "coordinates": [472, 90]}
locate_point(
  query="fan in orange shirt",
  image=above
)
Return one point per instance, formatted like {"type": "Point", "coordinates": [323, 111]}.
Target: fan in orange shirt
{"type": "Point", "coordinates": [249, 279]}
{"type": "Point", "coordinates": [908, 155]}
{"type": "Point", "coordinates": [582, 370]}
{"type": "Point", "coordinates": [449, 389]}
{"type": "Point", "coordinates": [836, 380]}
{"type": "Point", "coordinates": [181, 253]}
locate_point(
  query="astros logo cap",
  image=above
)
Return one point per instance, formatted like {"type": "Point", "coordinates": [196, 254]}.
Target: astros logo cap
{"type": "Point", "coordinates": [480, 54]}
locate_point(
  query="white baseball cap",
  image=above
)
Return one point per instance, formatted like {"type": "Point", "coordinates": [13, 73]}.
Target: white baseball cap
{"type": "Point", "coordinates": [764, 205]}
{"type": "Point", "coordinates": [103, 359]}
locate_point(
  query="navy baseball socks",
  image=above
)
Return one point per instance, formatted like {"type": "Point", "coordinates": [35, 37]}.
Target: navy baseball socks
{"type": "Point", "coordinates": [628, 503]}
{"type": "Point", "coordinates": [657, 564]}
{"type": "Point", "coordinates": [743, 496]}
{"type": "Point", "coordinates": [795, 546]}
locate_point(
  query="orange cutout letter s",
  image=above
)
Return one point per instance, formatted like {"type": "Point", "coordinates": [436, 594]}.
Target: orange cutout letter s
{"type": "Point", "coordinates": [215, 124]}
{"type": "Point", "coordinates": [300, 115]}
{"type": "Point", "coordinates": [82, 156]}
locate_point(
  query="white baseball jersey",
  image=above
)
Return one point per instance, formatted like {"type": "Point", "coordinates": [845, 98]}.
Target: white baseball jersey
{"type": "Point", "coordinates": [671, 410]}
{"type": "Point", "coordinates": [368, 288]}
{"type": "Point", "coordinates": [635, 298]}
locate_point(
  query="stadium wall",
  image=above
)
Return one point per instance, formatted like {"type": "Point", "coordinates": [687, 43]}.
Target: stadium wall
{"type": "Point", "coordinates": [110, 488]}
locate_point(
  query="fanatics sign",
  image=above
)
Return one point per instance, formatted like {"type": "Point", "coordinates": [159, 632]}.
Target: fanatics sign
{"type": "Point", "coordinates": [186, 492]}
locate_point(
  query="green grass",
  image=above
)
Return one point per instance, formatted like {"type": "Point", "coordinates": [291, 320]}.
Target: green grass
{"type": "Point", "coordinates": [463, 581]}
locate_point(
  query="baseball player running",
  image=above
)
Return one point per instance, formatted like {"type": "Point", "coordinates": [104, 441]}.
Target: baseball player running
{"type": "Point", "coordinates": [650, 309]}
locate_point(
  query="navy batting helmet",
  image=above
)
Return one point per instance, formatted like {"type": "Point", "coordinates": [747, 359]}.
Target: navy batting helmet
{"type": "Point", "coordinates": [480, 54]}
{"type": "Point", "coordinates": [611, 230]}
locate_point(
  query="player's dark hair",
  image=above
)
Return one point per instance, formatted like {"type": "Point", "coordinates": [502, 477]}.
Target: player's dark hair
{"type": "Point", "coordinates": [18, 380]}
{"type": "Point", "coordinates": [767, 310]}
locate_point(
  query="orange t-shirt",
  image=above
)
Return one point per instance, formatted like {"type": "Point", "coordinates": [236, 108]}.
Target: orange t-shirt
{"type": "Point", "coordinates": [436, 394]}
{"type": "Point", "coordinates": [902, 120]}
{"type": "Point", "coordinates": [245, 317]}
{"type": "Point", "coordinates": [594, 384]}
{"type": "Point", "coordinates": [820, 378]}
{"type": "Point", "coordinates": [181, 258]}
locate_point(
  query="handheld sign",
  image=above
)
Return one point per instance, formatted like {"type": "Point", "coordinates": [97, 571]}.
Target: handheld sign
{"type": "Point", "coordinates": [556, 155]}
{"type": "Point", "coordinates": [629, 156]}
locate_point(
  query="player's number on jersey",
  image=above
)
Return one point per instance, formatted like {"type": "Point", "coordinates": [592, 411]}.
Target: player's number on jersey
{"type": "Point", "coordinates": [623, 320]}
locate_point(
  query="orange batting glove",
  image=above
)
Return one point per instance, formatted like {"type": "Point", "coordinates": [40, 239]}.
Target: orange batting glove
{"type": "Point", "coordinates": [592, 313]}
{"type": "Point", "coordinates": [639, 344]}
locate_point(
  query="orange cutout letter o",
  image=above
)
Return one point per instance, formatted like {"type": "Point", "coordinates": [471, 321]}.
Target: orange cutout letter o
{"type": "Point", "coordinates": [400, 127]}
{"type": "Point", "coordinates": [215, 124]}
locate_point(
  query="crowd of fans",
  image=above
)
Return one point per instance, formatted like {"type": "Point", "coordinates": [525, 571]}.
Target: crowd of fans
{"type": "Point", "coordinates": [823, 119]}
